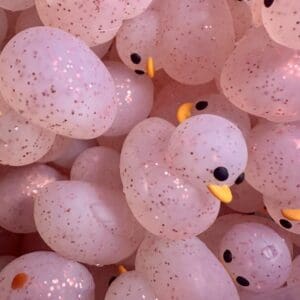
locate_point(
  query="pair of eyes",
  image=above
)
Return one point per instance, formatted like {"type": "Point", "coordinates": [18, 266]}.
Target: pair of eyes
{"type": "Point", "coordinates": [136, 59]}
{"type": "Point", "coordinates": [222, 174]}
{"type": "Point", "coordinates": [227, 257]}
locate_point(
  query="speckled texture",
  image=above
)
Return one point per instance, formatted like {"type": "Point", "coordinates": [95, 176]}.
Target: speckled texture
{"type": "Point", "coordinates": [213, 236]}
{"type": "Point", "coordinates": [49, 276]}
{"type": "Point", "coordinates": [98, 165]}
{"type": "Point", "coordinates": [217, 104]}
{"type": "Point", "coordinates": [129, 182]}
{"type": "Point", "coordinates": [273, 165]}
{"type": "Point", "coordinates": [172, 94]}
{"type": "Point", "coordinates": [166, 205]}
{"type": "Point", "coordinates": [262, 78]}
{"type": "Point", "coordinates": [146, 143]}
{"type": "Point", "coordinates": [133, 8]}
{"type": "Point", "coordinates": [274, 207]}
{"type": "Point", "coordinates": [16, 5]}
{"type": "Point", "coordinates": [130, 286]}
{"type": "Point", "coordinates": [257, 254]}
{"type": "Point", "coordinates": [86, 224]}
{"type": "Point", "coordinates": [18, 190]}
{"type": "Point", "coordinates": [163, 203]}
{"type": "Point", "coordinates": [281, 19]}
{"type": "Point", "coordinates": [192, 33]}
{"type": "Point", "coordinates": [134, 95]}
{"type": "Point", "coordinates": [241, 16]}
{"type": "Point", "coordinates": [95, 22]}
{"type": "Point", "coordinates": [141, 36]}
{"type": "Point", "coordinates": [161, 196]}
{"type": "Point", "coordinates": [203, 143]}
{"type": "Point", "coordinates": [75, 97]}
{"type": "Point", "coordinates": [21, 142]}
{"type": "Point", "coordinates": [184, 270]}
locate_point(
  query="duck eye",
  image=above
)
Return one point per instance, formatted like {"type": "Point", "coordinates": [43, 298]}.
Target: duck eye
{"type": "Point", "coordinates": [268, 3]}
{"type": "Point", "coordinates": [111, 280]}
{"type": "Point", "coordinates": [135, 58]}
{"type": "Point", "coordinates": [139, 72]}
{"type": "Point", "coordinates": [201, 105]}
{"type": "Point", "coordinates": [227, 256]}
{"type": "Point", "coordinates": [240, 179]}
{"type": "Point", "coordinates": [285, 223]}
{"type": "Point", "coordinates": [242, 281]}
{"type": "Point", "coordinates": [221, 173]}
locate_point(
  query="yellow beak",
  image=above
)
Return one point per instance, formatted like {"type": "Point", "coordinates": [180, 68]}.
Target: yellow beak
{"type": "Point", "coordinates": [150, 67]}
{"type": "Point", "coordinates": [291, 214]}
{"type": "Point", "coordinates": [121, 269]}
{"type": "Point", "coordinates": [222, 193]}
{"type": "Point", "coordinates": [184, 111]}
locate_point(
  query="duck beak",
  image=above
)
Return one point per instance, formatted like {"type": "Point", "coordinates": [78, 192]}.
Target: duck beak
{"type": "Point", "coordinates": [184, 111]}
{"type": "Point", "coordinates": [121, 269]}
{"type": "Point", "coordinates": [221, 192]}
{"type": "Point", "coordinates": [291, 214]}
{"type": "Point", "coordinates": [150, 67]}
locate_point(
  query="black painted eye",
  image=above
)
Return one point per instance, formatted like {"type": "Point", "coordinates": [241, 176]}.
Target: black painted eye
{"type": "Point", "coordinates": [285, 223]}
{"type": "Point", "coordinates": [242, 281]}
{"type": "Point", "coordinates": [135, 58]}
{"type": "Point", "coordinates": [268, 3]}
{"type": "Point", "coordinates": [227, 256]}
{"type": "Point", "coordinates": [221, 173]}
{"type": "Point", "coordinates": [111, 280]}
{"type": "Point", "coordinates": [240, 179]}
{"type": "Point", "coordinates": [201, 105]}
{"type": "Point", "coordinates": [139, 72]}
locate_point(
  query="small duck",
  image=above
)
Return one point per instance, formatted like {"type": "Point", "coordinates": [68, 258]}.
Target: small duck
{"type": "Point", "coordinates": [173, 176]}
{"type": "Point", "coordinates": [185, 38]}
{"type": "Point", "coordinates": [285, 212]}
{"type": "Point", "coordinates": [208, 150]}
